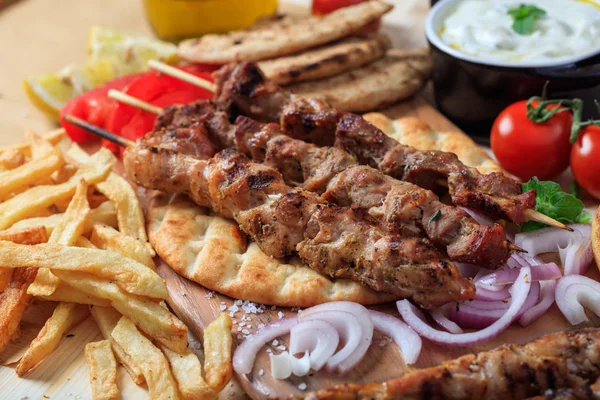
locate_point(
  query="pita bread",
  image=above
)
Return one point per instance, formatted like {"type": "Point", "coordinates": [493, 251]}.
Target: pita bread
{"type": "Point", "coordinates": [327, 60]}
{"type": "Point", "coordinates": [596, 236]}
{"type": "Point", "coordinates": [417, 133]}
{"type": "Point", "coordinates": [283, 37]}
{"type": "Point", "coordinates": [213, 252]}
{"type": "Point", "coordinates": [397, 76]}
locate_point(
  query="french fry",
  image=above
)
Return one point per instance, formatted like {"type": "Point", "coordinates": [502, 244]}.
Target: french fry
{"type": "Point", "coordinates": [11, 159]}
{"type": "Point", "coordinates": [103, 370]}
{"type": "Point", "coordinates": [31, 235]}
{"type": "Point", "coordinates": [54, 137]}
{"type": "Point", "coordinates": [150, 359]}
{"type": "Point", "coordinates": [187, 371]}
{"type": "Point", "coordinates": [65, 317]}
{"type": "Point", "coordinates": [20, 178]}
{"type": "Point", "coordinates": [107, 238]}
{"type": "Point", "coordinates": [107, 318]}
{"type": "Point", "coordinates": [39, 146]}
{"type": "Point", "coordinates": [155, 320]}
{"type": "Point", "coordinates": [84, 243]}
{"type": "Point", "coordinates": [63, 174]}
{"type": "Point", "coordinates": [13, 303]}
{"type": "Point", "coordinates": [27, 203]}
{"type": "Point", "coordinates": [66, 232]}
{"type": "Point", "coordinates": [105, 214]}
{"type": "Point", "coordinates": [66, 293]}
{"type": "Point", "coordinates": [217, 353]}
{"type": "Point", "coordinates": [130, 275]}
{"type": "Point", "coordinates": [120, 192]}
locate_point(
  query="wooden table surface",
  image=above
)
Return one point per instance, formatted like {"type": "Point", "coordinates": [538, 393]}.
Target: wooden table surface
{"type": "Point", "coordinates": [43, 36]}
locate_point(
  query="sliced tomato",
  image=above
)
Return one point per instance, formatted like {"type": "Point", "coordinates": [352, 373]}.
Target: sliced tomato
{"type": "Point", "coordinates": [320, 7]}
{"type": "Point", "coordinates": [94, 107]}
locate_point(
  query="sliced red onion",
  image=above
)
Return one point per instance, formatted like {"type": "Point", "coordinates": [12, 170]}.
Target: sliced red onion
{"type": "Point", "coordinates": [281, 365]}
{"type": "Point", "coordinates": [481, 274]}
{"type": "Point", "coordinates": [319, 338]}
{"type": "Point", "coordinates": [413, 317]}
{"type": "Point", "coordinates": [574, 291]}
{"type": "Point", "coordinates": [407, 340]}
{"type": "Point", "coordinates": [576, 257]}
{"type": "Point", "coordinates": [491, 295]}
{"type": "Point", "coordinates": [546, 240]}
{"type": "Point", "coordinates": [439, 316]}
{"type": "Point", "coordinates": [300, 366]}
{"type": "Point", "coordinates": [547, 289]}
{"type": "Point", "coordinates": [245, 354]}
{"type": "Point", "coordinates": [506, 276]}
{"type": "Point", "coordinates": [479, 216]}
{"type": "Point", "coordinates": [357, 332]}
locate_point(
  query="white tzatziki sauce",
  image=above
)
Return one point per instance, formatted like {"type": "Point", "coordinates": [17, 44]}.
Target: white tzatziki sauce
{"type": "Point", "coordinates": [484, 28]}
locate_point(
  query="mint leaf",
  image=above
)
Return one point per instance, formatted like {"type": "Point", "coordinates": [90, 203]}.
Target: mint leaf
{"type": "Point", "coordinates": [553, 202]}
{"type": "Point", "coordinates": [525, 17]}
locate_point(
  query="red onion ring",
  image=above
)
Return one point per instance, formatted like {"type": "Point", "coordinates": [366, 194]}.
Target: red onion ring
{"type": "Point", "coordinates": [245, 354]}
{"type": "Point", "coordinates": [547, 289]}
{"type": "Point", "coordinates": [413, 317]}
{"type": "Point", "coordinates": [506, 276]}
{"type": "Point", "coordinates": [439, 315]}
{"type": "Point", "coordinates": [483, 294]}
{"type": "Point", "coordinates": [319, 338]}
{"type": "Point", "coordinates": [546, 240]}
{"type": "Point", "coordinates": [576, 257]}
{"type": "Point", "coordinates": [408, 341]}
{"type": "Point", "coordinates": [574, 291]}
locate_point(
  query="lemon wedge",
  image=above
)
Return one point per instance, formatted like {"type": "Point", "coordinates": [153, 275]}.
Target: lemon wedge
{"type": "Point", "coordinates": [111, 54]}
{"type": "Point", "coordinates": [131, 53]}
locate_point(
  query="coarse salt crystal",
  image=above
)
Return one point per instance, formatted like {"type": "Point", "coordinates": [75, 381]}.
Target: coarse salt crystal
{"type": "Point", "coordinates": [261, 372]}
{"type": "Point", "coordinates": [261, 326]}
{"type": "Point", "coordinates": [222, 307]}
{"type": "Point", "coordinates": [245, 331]}
{"type": "Point", "coordinates": [269, 351]}
{"type": "Point", "coordinates": [238, 302]}
{"type": "Point", "coordinates": [275, 342]}
{"type": "Point", "coordinates": [280, 315]}
{"type": "Point", "coordinates": [302, 386]}
{"type": "Point", "coordinates": [282, 347]}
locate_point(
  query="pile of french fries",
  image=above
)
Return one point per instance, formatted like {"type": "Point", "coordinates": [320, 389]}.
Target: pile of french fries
{"type": "Point", "coordinates": [72, 232]}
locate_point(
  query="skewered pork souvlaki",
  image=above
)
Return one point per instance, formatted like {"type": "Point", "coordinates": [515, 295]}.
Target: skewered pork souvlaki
{"type": "Point", "coordinates": [243, 89]}
{"type": "Point", "coordinates": [336, 241]}
{"type": "Point", "coordinates": [400, 207]}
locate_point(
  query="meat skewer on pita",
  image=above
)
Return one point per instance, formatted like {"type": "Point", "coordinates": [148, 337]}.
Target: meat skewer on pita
{"type": "Point", "coordinates": [251, 94]}
{"type": "Point", "coordinates": [399, 207]}
{"type": "Point", "coordinates": [337, 241]}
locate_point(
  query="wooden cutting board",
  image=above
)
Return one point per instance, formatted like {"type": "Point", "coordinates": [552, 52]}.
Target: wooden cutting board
{"type": "Point", "coordinates": [197, 307]}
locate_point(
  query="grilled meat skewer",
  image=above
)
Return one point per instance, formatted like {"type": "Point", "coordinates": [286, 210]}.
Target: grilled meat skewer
{"type": "Point", "coordinates": [336, 241]}
{"type": "Point", "coordinates": [243, 89]}
{"type": "Point", "coordinates": [402, 207]}
{"type": "Point", "coordinates": [563, 360]}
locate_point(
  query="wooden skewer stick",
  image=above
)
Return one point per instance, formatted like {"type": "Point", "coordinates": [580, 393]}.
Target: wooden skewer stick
{"type": "Point", "coordinates": [134, 101]}
{"type": "Point", "coordinates": [182, 75]}
{"type": "Point", "coordinates": [96, 130]}
{"type": "Point", "coordinates": [514, 247]}
{"type": "Point", "coordinates": [531, 215]}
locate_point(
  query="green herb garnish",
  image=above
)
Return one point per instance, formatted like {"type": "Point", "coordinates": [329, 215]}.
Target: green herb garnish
{"type": "Point", "coordinates": [435, 216]}
{"type": "Point", "coordinates": [525, 16]}
{"type": "Point", "coordinates": [550, 200]}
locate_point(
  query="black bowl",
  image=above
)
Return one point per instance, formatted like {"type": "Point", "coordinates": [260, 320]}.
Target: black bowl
{"type": "Point", "coordinates": [472, 92]}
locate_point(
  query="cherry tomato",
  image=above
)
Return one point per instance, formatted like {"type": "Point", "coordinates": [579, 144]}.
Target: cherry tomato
{"type": "Point", "coordinates": [94, 106]}
{"type": "Point", "coordinates": [326, 6]}
{"type": "Point", "coordinates": [526, 148]}
{"type": "Point", "coordinates": [585, 160]}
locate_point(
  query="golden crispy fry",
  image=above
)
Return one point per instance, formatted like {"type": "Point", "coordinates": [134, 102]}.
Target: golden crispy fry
{"type": "Point", "coordinates": [5, 275]}
{"type": "Point", "coordinates": [84, 243]}
{"type": "Point", "coordinates": [155, 320]}
{"type": "Point", "coordinates": [13, 303]}
{"type": "Point", "coordinates": [11, 159]}
{"type": "Point", "coordinates": [105, 214]}
{"type": "Point", "coordinates": [103, 370]}
{"type": "Point", "coordinates": [68, 230]}
{"type": "Point", "coordinates": [187, 371]}
{"type": "Point", "coordinates": [150, 359]}
{"type": "Point", "coordinates": [120, 192]}
{"type": "Point", "coordinates": [29, 202]}
{"type": "Point", "coordinates": [217, 352]}
{"type": "Point", "coordinates": [63, 174]}
{"type": "Point", "coordinates": [54, 137]}
{"type": "Point", "coordinates": [65, 317]}
{"type": "Point", "coordinates": [20, 178]}
{"type": "Point", "coordinates": [66, 293]}
{"type": "Point", "coordinates": [106, 319]}
{"type": "Point", "coordinates": [107, 238]}
{"type": "Point", "coordinates": [39, 146]}
{"type": "Point", "coordinates": [132, 276]}
{"type": "Point", "coordinates": [31, 235]}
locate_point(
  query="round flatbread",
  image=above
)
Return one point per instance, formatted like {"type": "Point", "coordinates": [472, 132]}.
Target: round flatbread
{"type": "Point", "coordinates": [213, 252]}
